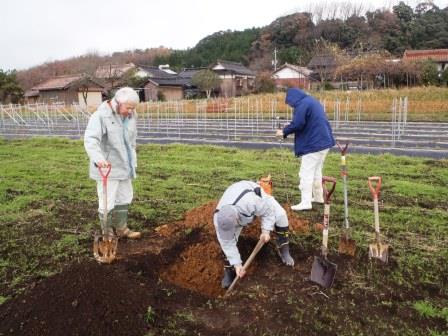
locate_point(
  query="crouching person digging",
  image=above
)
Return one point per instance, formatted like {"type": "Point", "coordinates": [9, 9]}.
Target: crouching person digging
{"type": "Point", "coordinates": [110, 141]}
{"type": "Point", "coordinates": [237, 208]}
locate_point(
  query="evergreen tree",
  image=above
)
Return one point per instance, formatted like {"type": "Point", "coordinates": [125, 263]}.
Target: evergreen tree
{"type": "Point", "coordinates": [10, 90]}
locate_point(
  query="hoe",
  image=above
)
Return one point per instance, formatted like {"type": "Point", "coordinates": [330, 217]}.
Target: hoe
{"type": "Point", "coordinates": [105, 245]}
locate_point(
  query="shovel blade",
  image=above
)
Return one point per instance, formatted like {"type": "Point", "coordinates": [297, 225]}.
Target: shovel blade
{"type": "Point", "coordinates": [347, 246]}
{"type": "Point", "coordinates": [379, 251]}
{"type": "Point", "coordinates": [323, 272]}
{"type": "Point", "coordinates": [105, 248]}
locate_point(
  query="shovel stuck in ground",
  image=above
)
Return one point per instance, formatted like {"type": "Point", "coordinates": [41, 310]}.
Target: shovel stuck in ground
{"type": "Point", "coordinates": [378, 249]}
{"type": "Point", "coordinates": [323, 271]}
{"type": "Point", "coordinates": [346, 244]}
{"type": "Point", "coordinates": [246, 265]}
{"type": "Point", "coordinates": [105, 244]}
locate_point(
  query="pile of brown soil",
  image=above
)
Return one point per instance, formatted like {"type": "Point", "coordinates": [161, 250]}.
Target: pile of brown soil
{"type": "Point", "coordinates": [200, 267]}
{"type": "Point", "coordinates": [202, 218]}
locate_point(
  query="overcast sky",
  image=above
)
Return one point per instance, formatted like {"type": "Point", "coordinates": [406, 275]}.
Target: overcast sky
{"type": "Point", "coordinates": [36, 31]}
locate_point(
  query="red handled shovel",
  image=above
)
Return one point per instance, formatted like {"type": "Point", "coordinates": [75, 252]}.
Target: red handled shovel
{"type": "Point", "coordinates": [105, 245]}
{"type": "Point", "coordinates": [378, 249]}
{"type": "Point", "coordinates": [346, 244]}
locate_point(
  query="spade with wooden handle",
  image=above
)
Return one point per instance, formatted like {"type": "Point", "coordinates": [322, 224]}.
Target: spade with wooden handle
{"type": "Point", "coordinates": [346, 244]}
{"type": "Point", "coordinates": [323, 271]}
{"type": "Point", "coordinates": [378, 249]}
{"type": "Point", "coordinates": [105, 245]}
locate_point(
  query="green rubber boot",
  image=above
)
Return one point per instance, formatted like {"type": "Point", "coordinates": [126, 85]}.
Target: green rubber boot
{"type": "Point", "coordinates": [120, 222]}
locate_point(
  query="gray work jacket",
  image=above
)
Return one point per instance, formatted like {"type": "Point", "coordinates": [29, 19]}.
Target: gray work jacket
{"type": "Point", "coordinates": [271, 213]}
{"type": "Point", "coordinates": [104, 140]}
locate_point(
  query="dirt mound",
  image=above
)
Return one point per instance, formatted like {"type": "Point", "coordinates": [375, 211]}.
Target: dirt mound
{"type": "Point", "coordinates": [85, 299]}
{"type": "Point", "coordinates": [199, 268]}
{"type": "Point", "coordinates": [202, 218]}
{"type": "Point", "coordinates": [197, 218]}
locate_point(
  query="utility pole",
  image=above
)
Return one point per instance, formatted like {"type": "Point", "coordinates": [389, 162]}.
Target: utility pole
{"type": "Point", "coordinates": [275, 59]}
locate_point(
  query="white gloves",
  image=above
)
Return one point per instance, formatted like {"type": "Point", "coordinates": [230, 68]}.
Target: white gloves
{"type": "Point", "coordinates": [265, 236]}
{"type": "Point", "coordinates": [240, 272]}
{"type": "Point", "coordinates": [279, 134]}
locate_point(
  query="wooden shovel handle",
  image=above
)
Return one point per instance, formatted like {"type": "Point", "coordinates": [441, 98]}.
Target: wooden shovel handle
{"type": "Point", "coordinates": [246, 264]}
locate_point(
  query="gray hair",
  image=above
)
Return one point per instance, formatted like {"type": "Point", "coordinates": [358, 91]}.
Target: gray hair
{"type": "Point", "coordinates": [127, 95]}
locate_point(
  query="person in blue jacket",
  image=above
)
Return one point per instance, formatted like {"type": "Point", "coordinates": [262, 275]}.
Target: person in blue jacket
{"type": "Point", "coordinates": [313, 139]}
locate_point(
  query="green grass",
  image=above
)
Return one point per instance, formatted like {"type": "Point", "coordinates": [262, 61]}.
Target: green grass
{"type": "Point", "coordinates": [46, 195]}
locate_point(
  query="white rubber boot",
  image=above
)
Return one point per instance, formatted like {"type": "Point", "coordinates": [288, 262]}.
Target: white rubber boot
{"type": "Point", "coordinates": [305, 204]}
{"type": "Point", "coordinates": [302, 206]}
{"type": "Point", "coordinates": [318, 193]}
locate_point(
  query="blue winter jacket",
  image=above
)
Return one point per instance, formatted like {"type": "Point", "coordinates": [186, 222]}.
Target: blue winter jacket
{"type": "Point", "coordinates": [309, 124]}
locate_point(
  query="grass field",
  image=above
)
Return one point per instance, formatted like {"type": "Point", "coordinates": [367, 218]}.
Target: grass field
{"type": "Point", "coordinates": [48, 209]}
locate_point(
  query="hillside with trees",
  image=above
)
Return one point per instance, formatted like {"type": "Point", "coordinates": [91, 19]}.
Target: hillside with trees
{"type": "Point", "coordinates": [345, 29]}
{"type": "Point", "coordinates": [299, 36]}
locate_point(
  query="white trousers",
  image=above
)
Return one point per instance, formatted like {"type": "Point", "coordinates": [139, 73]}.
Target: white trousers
{"type": "Point", "coordinates": [119, 192]}
{"type": "Point", "coordinates": [310, 176]}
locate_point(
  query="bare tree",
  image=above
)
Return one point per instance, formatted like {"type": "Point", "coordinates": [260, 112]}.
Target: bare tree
{"type": "Point", "coordinates": [206, 80]}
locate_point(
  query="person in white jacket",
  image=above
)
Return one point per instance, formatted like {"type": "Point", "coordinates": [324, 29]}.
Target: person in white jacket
{"type": "Point", "coordinates": [237, 208]}
{"type": "Point", "coordinates": [110, 140]}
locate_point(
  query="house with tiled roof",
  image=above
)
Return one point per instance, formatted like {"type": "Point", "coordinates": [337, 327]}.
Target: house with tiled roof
{"type": "Point", "coordinates": [438, 56]}
{"type": "Point", "coordinates": [160, 71]}
{"type": "Point", "coordinates": [79, 89]}
{"type": "Point", "coordinates": [290, 75]}
{"type": "Point", "coordinates": [237, 80]}
{"type": "Point", "coordinates": [190, 72]}
{"type": "Point", "coordinates": [324, 66]}
{"type": "Point", "coordinates": [167, 88]}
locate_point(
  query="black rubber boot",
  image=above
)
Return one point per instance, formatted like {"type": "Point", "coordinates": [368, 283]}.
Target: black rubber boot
{"type": "Point", "coordinates": [229, 276]}
{"type": "Point", "coordinates": [283, 245]}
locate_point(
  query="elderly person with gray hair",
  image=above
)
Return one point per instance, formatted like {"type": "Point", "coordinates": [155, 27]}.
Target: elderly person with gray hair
{"type": "Point", "coordinates": [237, 208]}
{"type": "Point", "coordinates": [110, 140]}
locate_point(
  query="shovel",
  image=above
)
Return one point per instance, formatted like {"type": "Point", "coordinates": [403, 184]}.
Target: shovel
{"type": "Point", "coordinates": [105, 245]}
{"type": "Point", "coordinates": [323, 271]}
{"type": "Point", "coordinates": [378, 249]}
{"type": "Point", "coordinates": [246, 265]}
{"type": "Point", "coordinates": [346, 244]}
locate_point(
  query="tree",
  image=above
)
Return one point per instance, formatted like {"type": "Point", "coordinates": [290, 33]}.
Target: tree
{"type": "Point", "coordinates": [430, 75]}
{"type": "Point", "coordinates": [292, 55]}
{"type": "Point", "coordinates": [264, 83]}
{"type": "Point", "coordinates": [10, 90]}
{"type": "Point", "coordinates": [206, 80]}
